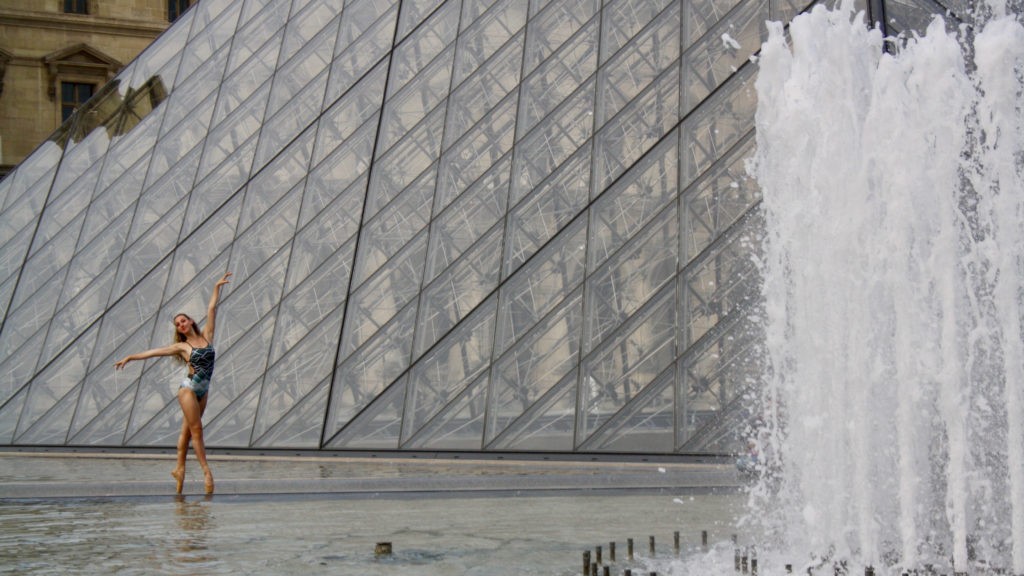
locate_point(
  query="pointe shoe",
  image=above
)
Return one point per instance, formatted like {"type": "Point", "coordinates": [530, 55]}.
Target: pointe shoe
{"type": "Point", "coordinates": [179, 477]}
{"type": "Point", "coordinates": [208, 483]}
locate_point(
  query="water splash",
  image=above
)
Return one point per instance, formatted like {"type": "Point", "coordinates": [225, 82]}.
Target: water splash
{"type": "Point", "coordinates": [893, 185]}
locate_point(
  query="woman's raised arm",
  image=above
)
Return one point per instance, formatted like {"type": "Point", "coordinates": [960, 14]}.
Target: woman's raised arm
{"type": "Point", "coordinates": [211, 312]}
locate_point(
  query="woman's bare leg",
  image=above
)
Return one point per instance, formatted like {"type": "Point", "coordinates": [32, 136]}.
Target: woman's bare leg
{"type": "Point", "coordinates": [192, 410]}
{"type": "Point", "coordinates": [179, 469]}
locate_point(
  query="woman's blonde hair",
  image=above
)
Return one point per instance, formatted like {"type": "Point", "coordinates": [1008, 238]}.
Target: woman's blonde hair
{"type": "Point", "coordinates": [179, 337]}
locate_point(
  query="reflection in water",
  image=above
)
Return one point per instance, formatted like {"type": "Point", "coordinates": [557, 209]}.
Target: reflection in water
{"type": "Point", "coordinates": [196, 525]}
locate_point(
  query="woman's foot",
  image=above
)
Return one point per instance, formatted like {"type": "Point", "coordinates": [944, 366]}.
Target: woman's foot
{"type": "Point", "coordinates": [179, 477]}
{"type": "Point", "coordinates": [208, 482]}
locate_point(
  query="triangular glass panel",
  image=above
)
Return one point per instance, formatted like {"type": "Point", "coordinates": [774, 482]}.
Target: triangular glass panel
{"type": "Point", "coordinates": [362, 376]}
{"type": "Point", "coordinates": [645, 424]}
{"type": "Point", "coordinates": [161, 198]}
{"type": "Point", "coordinates": [381, 297]}
{"type": "Point", "coordinates": [200, 84]}
{"type": "Point", "coordinates": [626, 362]}
{"type": "Point", "coordinates": [540, 359]}
{"type": "Point", "coordinates": [298, 114]}
{"type": "Point", "coordinates": [52, 427]}
{"type": "Point", "coordinates": [378, 426]}
{"type": "Point", "coordinates": [96, 257]}
{"type": "Point", "coordinates": [57, 380]}
{"type": "Point", "coordinates": [162, 430]}
{"type": "Point", "coordinates": [284, 175]}
{"type": "Point", "coordinates": [219, 186]}
{"type": "Point", "coordinates": [450, 366]}
{"type": "Point", "coordinates": [322, 251]}
{"type": "Point", "coordinates": [458, 290]}
{"type": "Point", "coordinates": [157, 390]}
{"type": "Point", "coordinates": [162, 58]}
{"type": "Point", "coordinates": [105, 386]}
{"type": "Point", "coordinates": [460, 426]}
{"type": "Point", "coordinates": [343, 174]}
{"type": "Point", "coordinates": [306, 21]}
{"type": "Point", "coordinates": [208, 38]}
{"type": "Point", "coordinates": [301, 426]}
{"type": "Point", "coordinates": [416, 99]}
{"type": "Point", "coordinates": [483, 34]}
{"type": "Point", "coordinates": [17, 370]}
{"type": "Point", "coordinates": [467, 219]}
{"type": "Point", "coordinates": [384, 235]}
{"type": "Point", "coordinates": [233, 425]}
{"type": "Point", "coordinates": [547, 426]}
{"type": "Point", "coordinates": [364, 39]}
{"type": "Point", "coordinates": [312, 59]}
{"type": "Point", "coordinates": [260, 20]}
{"type": "Point", "coordinates": [312, 302]}
{"type": "Point", "coordinates": [108, 427]}
{"type": "Point", "coordinates": [349, 112]}
{"type": "Point", "coordinates": [629, 279]}
{"type": "Point", "coordinates": [9, 414]}
{"type": "Point", "coordinates": [295, 375]}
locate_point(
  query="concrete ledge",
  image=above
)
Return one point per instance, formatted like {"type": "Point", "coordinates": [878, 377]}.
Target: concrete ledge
{"type": "Point", "coordinates": [704, 479]}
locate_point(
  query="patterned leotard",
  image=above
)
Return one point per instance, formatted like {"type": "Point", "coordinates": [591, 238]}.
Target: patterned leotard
{"type": "Point", "coordinates": [201, 360]}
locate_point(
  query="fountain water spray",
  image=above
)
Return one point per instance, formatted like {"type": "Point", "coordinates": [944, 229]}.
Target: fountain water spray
{"type": "Point", "coordinates": [893, 184]}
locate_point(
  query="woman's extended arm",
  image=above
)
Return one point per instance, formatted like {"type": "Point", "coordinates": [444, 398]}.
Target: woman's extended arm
{"type": "Point", "coordinates": [211, 312]}
{"type": "Point", "coordinates": [176, 349]}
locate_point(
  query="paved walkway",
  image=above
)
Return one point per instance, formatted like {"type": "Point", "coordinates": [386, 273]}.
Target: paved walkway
{"type": "Point", "coordinates": [50, 475]}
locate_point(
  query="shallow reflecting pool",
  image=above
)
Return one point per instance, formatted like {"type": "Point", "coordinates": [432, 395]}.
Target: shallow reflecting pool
{"type": "Point", "coordinates": [329, 534]}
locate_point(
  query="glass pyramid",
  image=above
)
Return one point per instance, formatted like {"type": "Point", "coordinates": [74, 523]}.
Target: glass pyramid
{"type": "Point", "coordinates": [461, 225]}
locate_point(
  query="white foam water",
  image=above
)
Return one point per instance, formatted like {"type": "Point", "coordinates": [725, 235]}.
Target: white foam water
{"type": "Point", "coordinates": [893, 270]}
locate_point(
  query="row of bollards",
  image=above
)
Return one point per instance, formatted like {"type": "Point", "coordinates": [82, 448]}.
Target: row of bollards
{"type": "Point", "coordinates": [592, 564]}
{"type": "Point", "coordinates": [745, 561]}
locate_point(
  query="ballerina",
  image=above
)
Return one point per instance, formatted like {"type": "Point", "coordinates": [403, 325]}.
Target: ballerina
{"type": "Point", "coordinates": [193, 347]}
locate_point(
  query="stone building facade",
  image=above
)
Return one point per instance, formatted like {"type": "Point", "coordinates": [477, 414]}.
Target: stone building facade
{"type": "Point", "coordinates": [55, 54]}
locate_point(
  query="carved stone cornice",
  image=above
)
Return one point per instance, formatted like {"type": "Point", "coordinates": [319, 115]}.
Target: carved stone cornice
{"type": "Point", "coordinates": [81, 23]}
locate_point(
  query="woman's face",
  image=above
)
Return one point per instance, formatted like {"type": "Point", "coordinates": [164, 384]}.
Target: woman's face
{"type": "Point", "coordinates": [183, 324]}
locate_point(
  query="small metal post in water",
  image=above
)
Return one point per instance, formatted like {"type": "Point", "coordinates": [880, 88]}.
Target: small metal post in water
{"type": "Point", "coordinates": [704, 541]}
{"type": "Point", "coordinates": [593, 569]}
{"type": "Point", "coordinates": [611, 551]}
{"type": "Point", "coordinates": [598, 555]}
{"type": "Point", "coordinates": [629, 548]}
{"type": "Point", "coordinates": [753, 561]}
{"type": "Point", "coordinates": [652, 546]}
{"type": "Point", "coordinates": [586, 562]}
{"type": "Point", "coordinates": [735, 553]}
{"type": "Point", "coordinates": [675, 542]}
{"type": "Point", "coordinates": [743, 562]}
